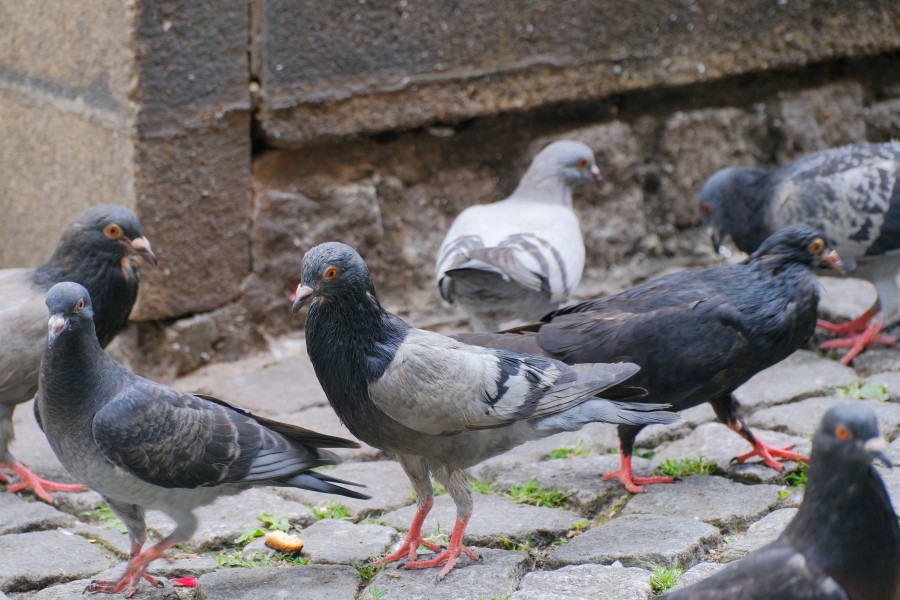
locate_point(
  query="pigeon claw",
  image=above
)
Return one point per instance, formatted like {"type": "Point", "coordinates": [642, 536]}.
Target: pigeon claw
{"type": "Point", "coordinates": [40, 486]}
{"type": "Point", "coordinates": [410, 546]}
{"type": "Point", "coordinates": [630, 481]}
{"type": "Point", "coordinates": [768, 453]}
{"type": "Point", "coordinates": [454, 550]}
{"type": "Point", "coordinates": [857, 342]}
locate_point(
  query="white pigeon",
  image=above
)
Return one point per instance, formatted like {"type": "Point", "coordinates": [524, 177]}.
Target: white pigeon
{"type": "Point", "coordinates": [519, 258]}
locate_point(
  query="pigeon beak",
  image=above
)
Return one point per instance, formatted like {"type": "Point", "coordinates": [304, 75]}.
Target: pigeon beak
{"type": "Point", "coordinates": [142, 246]}
{"type": "Point", "coordinates": [302, 294]}
{"type": "Point", "coordinates": [875, 446]}
{"type": "Point", "coordinates": [595, 175]}
{"type": "Point", "coordinates": [55, 326]}
{"type": "Point", "coordinates": [832, 260]}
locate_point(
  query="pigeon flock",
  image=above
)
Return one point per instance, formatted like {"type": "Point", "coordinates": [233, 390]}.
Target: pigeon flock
{"type": "Point", "coordinates": [442, 404]}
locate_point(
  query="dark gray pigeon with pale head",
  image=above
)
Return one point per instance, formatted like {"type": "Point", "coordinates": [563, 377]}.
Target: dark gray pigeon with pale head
{"type": "Point", "coordinates": [441, 406]}
{"type": "Point", "coordinates": [851, 194]}
{"type": "Point", "coordinates": [142, 445]}
{"type": "Point", "coordinates": [97, 251]}
{"type": "Point", "coordinates": [844, 542]}
{"type": "Point", "coordinates": [521, 257]}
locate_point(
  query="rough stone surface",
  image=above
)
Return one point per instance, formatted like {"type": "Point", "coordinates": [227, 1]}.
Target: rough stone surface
{"type": "Point", "coordinates": [801, 375]}
{"type": "Point", "coordinates": [18, 516]}
{"type": "Point", "coordinates": [586, 582]}
{"type": "Point", "coordinates": [40, 558]}
{"type": "Point", "coordinates": [676, 542]}
{"type": "Point", "coordinates": [699, 572]}
{"type": "Point", "coordinates": [832, 116]}
{"type": "Point", "coordinates": [225, 519]}
{"type": "Point", "coordinates": [342, 542]}
{"type": "Point", "coordinates": [759, 534]}
{"type": "Point", "coordinates": [315, 582]}
{"type": "Point", "coordinates": [802, 418]}
{"type": "Point", "coordinates": [75, 589]}
{"type": "Point", "coordinates": [844, 298]}
{"type": "Point", "coordinates": [492, 517]}
{"type": "Point", "coordinates": [727, 505]}
{"type": "Point", "coordinates": [890, 380]}
{"type": "Point", "coordinates": [495, 575]}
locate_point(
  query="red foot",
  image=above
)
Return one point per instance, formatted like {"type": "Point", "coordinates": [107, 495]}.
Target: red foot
{"type": "Point", "coordinates": [633, 484]}
{"type": "Point", "coordinates": [448, 557]}
{"type": "Point", "coordinates": [767, 453]}
{"type": "Point", "coordinates": [41, 487]}
{"type": "Point", "coordinates": [134, 572]}
{"type": "Point", "coordinates": [857, 342]}
{"type": "Point", "coordinates": [410, 547]}
{"type": "Point", "coordinates": [855, 326]}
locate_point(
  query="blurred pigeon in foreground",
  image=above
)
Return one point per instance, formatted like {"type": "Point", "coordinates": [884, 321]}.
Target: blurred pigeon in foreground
{"type": "Point", "coordinates": [844, 542]}
{"type": "Point", "coordinates": [440, 405]}
{"type": "Point", "coordinates": [850, 194]}
{"type": "Point", "coordinates": [520, 257]}
{"type": "Point", "coordinates": [95, 251]}
{"type": "Point", "coordinates": [143, 445]}
{"type": "Point", "coordinates": [697, 334]}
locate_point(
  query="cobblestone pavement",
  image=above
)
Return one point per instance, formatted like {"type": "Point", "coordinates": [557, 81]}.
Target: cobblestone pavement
{"type": "Point", "coordinates": [600, 542]}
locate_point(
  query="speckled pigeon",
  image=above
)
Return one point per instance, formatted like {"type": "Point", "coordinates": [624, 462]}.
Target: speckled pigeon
{"type": "Point", "coordinates": [96, 251]}
{"type": "Point", "coordinates": [850, 194]}
{"type": "Point", "coordinates": [520, 257]}
{"type": "Point", "coordinates": [844, 542]}
{"type": "Point", "coordinates": [696, 334]}
{"type": "Point", "coordinates": [143, 445]}
{"type": "Point", "coordinates": [440, 405]}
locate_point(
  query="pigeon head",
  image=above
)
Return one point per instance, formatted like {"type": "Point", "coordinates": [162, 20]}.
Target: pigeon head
{"type": "Point", "coordinates": [798, 244]}
{"type": "Point", "coordinates": [727, 206]}
{"type": "Point", "coordinates": [69, 305]}
{"type": "Point", "coordinates": [850, 431]}
{"type": "Point", "coordinates": [111, 232]}
{"type": "Point", "coordinates": [329, 271]}
{"type": "Point", "coordinates": [567, 162]}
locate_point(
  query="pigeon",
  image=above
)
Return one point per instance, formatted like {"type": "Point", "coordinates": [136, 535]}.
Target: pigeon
{"type": "Point", "coordinates": [96, 250]}
{"type": "Point", "coordinates": [851, 194]}
{"type": "Point", "coordinates": [844, 542]}
{"type": "Point", "coordinates": [142, 445]}
{"type": "Point", "coordinates": [521, 257]}
{"type": "Point", "coordinates": [440, 405]}
{"type": "Point", "coordinates": [697, 334]}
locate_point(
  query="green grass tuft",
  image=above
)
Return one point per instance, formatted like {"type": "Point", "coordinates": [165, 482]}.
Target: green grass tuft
{"type": "Point", "coordinates": [533, 493]}
{"type": "Point", "coordinates": [331, 510]}
{"type": "Point", "coordinates": [482, 487]}
{"type": "Point", "coordinates": [864, 391]}
{"type": "Point", "coordinates": [686, 466]}
{"type": "Point", "coordinates": [106, 517]}
{"type": "Point", "coordinates": [578, 449]}
{"type": "Point", "coordinates": [797, 477]}
{"type": "Point", "coordinates": [663, 578]}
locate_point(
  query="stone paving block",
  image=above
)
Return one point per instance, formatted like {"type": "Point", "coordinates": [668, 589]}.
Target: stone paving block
{"type": "Point", "coordinates": [716, 443]}
{"type": "Point", "coordinates": [324, 420]}
{"type": "Point", "coordinates": [75, 589]}
{"type": "Point", "coordinates": [224, 520]}
{"type": "Point", "coordinates": [653, 435]}
{"type": "Point", "coordinates": [492, 517]}
{"type": "Point", "coordinates": [699, 572]}
{"type": "Point", "coordinates": [758, 534]}
{"type": "Point", "coordinates": [38, 559]}
{"type": "Point", "coordinates": [728, 505]}
{"type": "Point", "coordinates": [601, 437]}
{"type": "Point", "coordinates": [19, 516]}
{"type": "Point", "coordinates": [803, 417]}
{"type": "Point", "coordinates": [495, 575]}
{"type": "Point", "coordinates": [639, 540]}
{"type": "Point", "coordinates": [894, 451]}
{"type": "Point", "coordinates": [580, 476]}
{"type": "Point", "coordinates": [878, 359]}
{"type": "Point", "coordinates": [801, 375]}
{"type": "Point", "coordinates": [586, 582]}
{"type": "Point", "coordinates": [310, 582]}
{"type": "Point", "coordinates": [78, 502]}
{"type": "Point", "coordinates": [335, 541]}
{"type": "Point", "coordinates": [889, 379]}
{"type": "Point", "coordinates": [385, 481]}
{"type": "Point", "coordinates": [844, 298]}
{"type": "Point", "coordinates": [107, 537]}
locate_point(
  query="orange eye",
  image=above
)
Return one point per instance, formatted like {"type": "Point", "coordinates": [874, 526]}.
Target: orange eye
{"type": "Point", "coordinates": [582, 163]}
{"type": "Point", "coordinates": [330, 273]}
{"type": "Point", "coordinates": [112, 231]}
{"type": "Point", "coordinates": [79, 306]}
{"type": "Point", "coordinates": [706, 209]}
{"type": "Point", "coordinates": [842, 433]}
{"type": "Point", "coordinates": [816, 246]}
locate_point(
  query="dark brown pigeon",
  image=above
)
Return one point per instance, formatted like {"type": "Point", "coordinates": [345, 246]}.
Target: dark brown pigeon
{"type": "Point", "coordinates": [850, 194]}
{"type": "Point", "coordinates": [440, 405]}
{"type": "Point", "coordinates": [844, 543]}
{"type": "Point", "coordinates": [143, 445]}
{"type": "Point", "coordinates": [697, 334]}
{"type": "Point", "coordinates": [96, 251]}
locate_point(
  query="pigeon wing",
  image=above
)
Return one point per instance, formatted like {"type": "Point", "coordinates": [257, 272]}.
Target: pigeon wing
{"type": "Point", "coordinates": [23, 332]}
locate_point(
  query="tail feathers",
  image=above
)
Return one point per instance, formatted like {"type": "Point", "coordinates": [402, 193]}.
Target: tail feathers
{"type": "Point", "coordinates": [606, 411]}
{"type": "Point", "coordinates": [319, 482]}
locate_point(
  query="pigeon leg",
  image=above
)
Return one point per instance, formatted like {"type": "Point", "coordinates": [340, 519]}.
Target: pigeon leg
{"type": "Point", "coordinates": [410, 546]}
{"type": "Point", "coordinates": [633, 484]}
{"type": "Point", "coordinates": [40, 486]}
{"type": "Point", "coordinates": [135, 570]}
{"type": "Point", "coordinates": [857, 342]}
{"type": "Point", "coordinates": [855, 326]}
{"type": "Point", "coordinates": [764, 450]}
{"type": "Point", "coordinates": [448, 557]}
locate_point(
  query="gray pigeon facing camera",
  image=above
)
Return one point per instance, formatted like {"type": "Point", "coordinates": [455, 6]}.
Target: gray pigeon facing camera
{"type": "Point", "coordinates": [143, 445]}
{"type": "Point", "coordinates": [521, 257]}
{"type": "Point", "coordinates": [439, 404]}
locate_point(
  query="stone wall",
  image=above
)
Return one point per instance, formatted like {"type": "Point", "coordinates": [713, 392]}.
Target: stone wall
{"type": "Point", "coordinates": [244, 133]}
